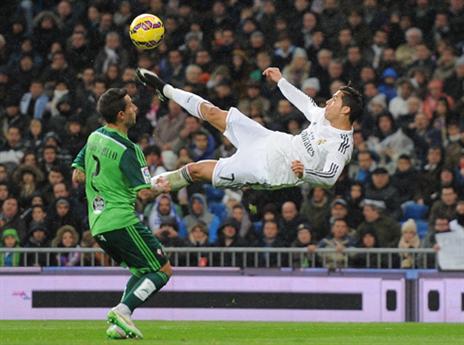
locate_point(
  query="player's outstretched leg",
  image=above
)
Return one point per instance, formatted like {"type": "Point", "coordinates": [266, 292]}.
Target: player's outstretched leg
{"type": "Point", "coordinates": [190, 173]}
{"type": "Point", "coordinates": [194, 104]}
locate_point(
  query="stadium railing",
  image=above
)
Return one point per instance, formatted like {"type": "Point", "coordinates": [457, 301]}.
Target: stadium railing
{"type": "Point", "coordinates": [246, 257]}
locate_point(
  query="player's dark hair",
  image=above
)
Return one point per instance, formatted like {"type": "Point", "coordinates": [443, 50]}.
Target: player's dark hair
{"type": "Point", "coordinates": [111, 103]}
{"type": "Point", "coordinates": [352, 99]}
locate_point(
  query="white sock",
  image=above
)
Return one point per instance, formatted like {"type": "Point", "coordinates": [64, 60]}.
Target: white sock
{"type": "Point", "coordinates": [177, 179]}
{"type": "Point", "coordinates": [186, 100]}
{"type": "Point", "coordinates": [123, 309]}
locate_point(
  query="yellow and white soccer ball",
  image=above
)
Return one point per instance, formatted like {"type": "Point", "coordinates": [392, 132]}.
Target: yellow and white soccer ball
{"type": "Point", "coordinates": [146, 31]}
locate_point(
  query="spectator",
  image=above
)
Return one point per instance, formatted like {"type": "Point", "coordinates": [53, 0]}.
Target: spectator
{"type": "Point", "coordinates": [446, 205]}
{"type": "Point", "coordinates": [271, 239]}
{"type": "Point", "coordinates": [66, 237]}
{"type": "Point", "coordinates": [247, 230]}
{"type": "Point", "coordinates": [10, 217]}
{"type": "Point", "coordinates": [61, 215]}
{"type": "Point", "coordinates": [368, 240]}
{"type": "Point", "coordinates": [316, 210]}
{"type": "Point", "coordinates": [34, 102]}
{"type": "Point", "coordinates": [409, 239]}
{"type": "Point", "coordinates": [168, 233]}
{"type": "Point", "coordinates": [198, 211]}
{"type": "Point", "coordinates": [354, 200]}
{"type": "Point", "coordinates": [304, 239]}
{"type": "Point", "coordinates": [10, 239]}
{"type": "Point", "coordinates": [430, 175]}
{"type": "Point", "coordinates": [289, 221]}
{"type": "Point", "coordinates": [405, 53]}
{"type": "Point", "coordinates": [382, 189]}
{"type": "Point", "coordinates": [38, 237]}
{"type": "Point", "coordinates": [338, 240]}
{"type": "Point", "coordinates": [453, 85]}
{"type": "Point", "coordinates": [398, 106]}
{"type": "Point", "coordinates": [441, 225]}
{"type": "Point", "coordinates": [298, 69]}
{"type": "Point", "coordinates": [339, 210]}
{"type": "Point", "coordinates": [457, 224]}
{"type": "Point", "coordinates": [154, 161]}
{"type": "Point", "coordinates": [201, 149]}
{"type": "Point", "coordinates": [58, 69]}
{"type": "Point", "coordinates": [74, 139]}
{"type": "Point", "coordinates": [13, 150]}
{"type": "Point", "coordinates": [198, 238]}
{"type": "Point", "coordinates": [168, 127]}
{"type": "Point", "coordinates": [405, 179]}
{"type": "Point", "coordinates": [362, 172]}
{"type": "Point", "coordinates": [161, 210]}
{"type": "Point", "coordinates": [387, 229]}
{"type": "Point", "coordinates": [111, 53]}
{"type": "Point", "coordinates": [435, 94]}
{"type": "Point", "coordinates": [29, 179]}
{"type": "Point", "coordinates": [228, 238]}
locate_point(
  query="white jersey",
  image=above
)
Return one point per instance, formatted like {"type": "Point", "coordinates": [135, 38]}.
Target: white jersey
{"type": "Point", "coordinates": [264, 157]}
{"type": "Point", "coordinates": [323, 149]}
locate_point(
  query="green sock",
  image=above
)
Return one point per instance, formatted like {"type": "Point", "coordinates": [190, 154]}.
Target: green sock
{"type": "Point", "coordinates": [146, 285]}
{"type": "Point", "coordinates": [130, 285]}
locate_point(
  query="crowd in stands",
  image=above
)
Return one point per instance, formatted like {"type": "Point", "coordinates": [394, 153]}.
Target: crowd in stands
{"type": "Point", "coordinates": [405, 182]}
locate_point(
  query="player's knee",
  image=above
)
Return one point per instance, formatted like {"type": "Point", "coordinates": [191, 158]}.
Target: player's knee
{"type": "Point", "coordinates": [212, 112]}
{"type": "Point", "coordinates": [194, 171]}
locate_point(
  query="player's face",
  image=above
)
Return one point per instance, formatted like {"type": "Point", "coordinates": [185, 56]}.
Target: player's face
{"type": "Point", "coordinates": [334, 106]}
{"type": "Point", "coordinates": [130, 113]}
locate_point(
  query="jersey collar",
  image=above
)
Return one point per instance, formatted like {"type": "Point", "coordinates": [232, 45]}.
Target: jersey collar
{"type": "Point", "coordinates": [109, 129]}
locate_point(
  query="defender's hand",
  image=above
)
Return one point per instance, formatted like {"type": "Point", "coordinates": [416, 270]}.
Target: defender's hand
{"type": "Point", "coordinates": [78, 176]}
{"type": "Point", "coordinates": [298, 168]}
{"type": "Point", "coordinates": [272, 73]}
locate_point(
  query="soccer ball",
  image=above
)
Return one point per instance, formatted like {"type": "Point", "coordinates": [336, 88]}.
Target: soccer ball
{"type": "Point", "coordinates": [146, 31]}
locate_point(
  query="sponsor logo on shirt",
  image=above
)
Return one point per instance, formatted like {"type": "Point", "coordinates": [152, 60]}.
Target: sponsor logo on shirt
{"type": "Point", "coordinates": [146, 174]}
{"type": "Point", "coordinates": [321, 141]}
{"type": "Point", "coordinates": [307, 143]}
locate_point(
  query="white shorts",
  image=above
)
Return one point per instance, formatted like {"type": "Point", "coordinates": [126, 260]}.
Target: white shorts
{"type": "Point", "coordinates": [248, 166]}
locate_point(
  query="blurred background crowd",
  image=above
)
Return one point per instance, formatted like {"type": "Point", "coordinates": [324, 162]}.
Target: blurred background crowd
{"type": "Point", "coordinates": [404, 183]}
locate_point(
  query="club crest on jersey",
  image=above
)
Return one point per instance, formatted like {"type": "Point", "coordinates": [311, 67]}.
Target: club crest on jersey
{"type": "Point", "coordinates": [98, 204]}
{"type": "Point", "coordinates": [321, 141]}
{"type": "Point", "coordinates": [146, 174]}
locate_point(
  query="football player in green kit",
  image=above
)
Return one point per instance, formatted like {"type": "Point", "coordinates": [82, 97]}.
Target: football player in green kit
{"type": "Point", "coordinates": [114, 171]}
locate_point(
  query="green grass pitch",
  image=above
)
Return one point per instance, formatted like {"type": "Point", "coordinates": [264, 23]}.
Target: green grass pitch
{"type": "Point", "coordinates": [233, 333]}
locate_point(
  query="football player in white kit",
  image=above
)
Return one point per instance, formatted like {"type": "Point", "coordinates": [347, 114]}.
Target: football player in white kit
{"type": "Point", "coordinates": [268, 159]}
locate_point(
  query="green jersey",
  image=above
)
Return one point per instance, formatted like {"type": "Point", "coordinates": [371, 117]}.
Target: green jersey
{"type": "Point", "coordinates": [115, 169]}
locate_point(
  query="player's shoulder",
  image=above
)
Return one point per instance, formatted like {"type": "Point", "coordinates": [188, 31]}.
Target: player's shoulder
{"type": "Point", "coordinates": [343, 143]}
{"type": "Point", "coordinates": [114, 137]}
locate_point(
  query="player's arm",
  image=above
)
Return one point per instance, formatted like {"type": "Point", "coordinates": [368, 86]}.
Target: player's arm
{"type": "Point", "coordinates": [134, 167]}
{"type": "Point", "coordinates": [78, 164]}
{"type": "Point", "coordinates": [327, 176]}
{"type": "Point", "coordinates": [298, 98]}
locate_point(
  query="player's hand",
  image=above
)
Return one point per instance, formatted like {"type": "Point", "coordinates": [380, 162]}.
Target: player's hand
{"type": "Point", "coordinates": [161, 185]}
{"type": "Point", "coordinates": [78, 176]}
{"type": "Point", "coordinates": [272, 73]}
{"type": "Point", "coordinates": [298, 168]}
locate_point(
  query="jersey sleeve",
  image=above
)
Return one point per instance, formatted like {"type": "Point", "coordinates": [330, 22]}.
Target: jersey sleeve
{"type": "Point", "coordinates": [134, 167]}
{"type": "Point", "coordinates": [300, 100]}
{"type": "Point", "coordinates": [326, 177]}
{"type": "Point", "coordinates": [79, 161]}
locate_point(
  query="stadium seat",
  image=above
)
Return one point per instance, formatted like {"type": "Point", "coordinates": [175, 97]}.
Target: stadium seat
{"type": "Point", "coordinates": [218, 209]}
{"type": "Point", "coordinates": [422, 228]}
{"type": "Point", "coordinates": [414, 211]}
{"type": "Point", "coordinates": [213, 194]}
